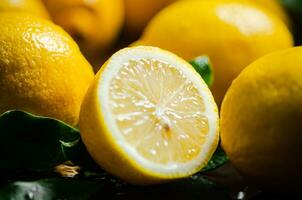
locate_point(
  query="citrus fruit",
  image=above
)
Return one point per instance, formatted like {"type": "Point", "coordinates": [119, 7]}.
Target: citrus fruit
{"type": "Point", "coordinates": [34, 7]}
{"type": "Point", "coordinates": [93, 24]}
{"type": "Point", "coordinates": [41, 68]}
{"type": "Point", "coordinates": [148, 117]}
{"type": "Point", "coordinates": [233, 33]}
{"type": "Point", "coordinates": [261, 120]}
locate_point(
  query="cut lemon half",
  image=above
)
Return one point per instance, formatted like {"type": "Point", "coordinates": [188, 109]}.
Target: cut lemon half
{"type": "Point", "coordinates": [148, 117]}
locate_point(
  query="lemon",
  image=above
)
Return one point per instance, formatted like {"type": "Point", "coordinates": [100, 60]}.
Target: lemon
{"type": "Point", "coordinates": [34, 7]}
{"type": "Point", "coordinates": [93, 24]}
{"type": "Point", "coordinates": [233, 33]}
{"type": "Point", "coordinates": [261, 120]}
{"type": "Point", "coordinates": [41, 68]}
{"type": "Point", "coordinates": [148, 117]}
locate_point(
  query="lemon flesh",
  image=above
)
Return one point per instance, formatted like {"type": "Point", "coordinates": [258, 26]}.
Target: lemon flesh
{"type": "Point", "coordinates": [164, 104]}
{"type": "Point", "coordinates": [151, 113]}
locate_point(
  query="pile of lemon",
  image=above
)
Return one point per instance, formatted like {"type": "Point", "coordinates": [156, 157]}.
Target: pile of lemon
{"type": "Point", "coordinates": [147, 116]}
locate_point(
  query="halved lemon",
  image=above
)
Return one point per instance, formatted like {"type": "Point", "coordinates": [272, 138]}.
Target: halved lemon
{"type": "Point", "coordinates": [148, 117]}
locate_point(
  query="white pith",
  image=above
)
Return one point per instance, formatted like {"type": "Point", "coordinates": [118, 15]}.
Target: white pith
{"type": "Point", "coordinates": [114, 66]}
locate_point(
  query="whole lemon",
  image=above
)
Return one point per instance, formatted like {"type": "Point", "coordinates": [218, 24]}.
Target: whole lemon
{"type": "Point", "coordinates": [93, 24]}
{"type": "Point", "coordinates": [233, 33]}
{"type": "Point", "coordinates": [261, 120]}
{"type": "Point", "coordinates": [41, 68]}
{"type": "Point", "coordinates": [34, 7]}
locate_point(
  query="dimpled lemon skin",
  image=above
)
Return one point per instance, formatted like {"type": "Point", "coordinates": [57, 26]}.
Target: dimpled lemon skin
{"type": "Point", "coordinates": [34, 7]}
{"type": "Point", "coordinates": [261, 121]}
{"type": "Point", "coordinates": [41, 68]}
{"type": "Point", "coordinates": [232, 33]}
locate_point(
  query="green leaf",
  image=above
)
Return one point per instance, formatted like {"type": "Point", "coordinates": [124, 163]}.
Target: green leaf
{"type": "Point", "coordinates": [33, 143]}
{"type": "Point", "coordinates": [203, 66]}
{"type": "Point", "coordinates": [218, 159]}
{"type": "Point", "coordinates": [49, 189]}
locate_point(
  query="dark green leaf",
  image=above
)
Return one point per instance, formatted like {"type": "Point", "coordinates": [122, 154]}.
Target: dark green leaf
{"type": "Point", "coordinates": [203, 66]}
{"type": "Point", "coordinates": [32, 143]}
{"type": "Point", "coordinates": [50, 189]}
{"type": "Point", "coordinates": [294, 6]}
{"type": "Point", "coordinates": [218, 159]}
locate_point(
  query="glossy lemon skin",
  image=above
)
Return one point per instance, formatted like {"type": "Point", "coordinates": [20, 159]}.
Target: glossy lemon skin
{"type": "Point", "coordinates": [261, 121]}
{"type": "Point", "coordinates": [41, 68]}
{"type": "Point", "coordinates": [34, 7]}
{"type": "Point", "coordinates": [232, 33]}
{"type": "Point", "coordinates": [93, 24]}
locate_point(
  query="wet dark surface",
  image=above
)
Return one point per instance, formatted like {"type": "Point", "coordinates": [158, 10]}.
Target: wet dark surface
{"type": "Point", "coordinates": [223, 183]}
